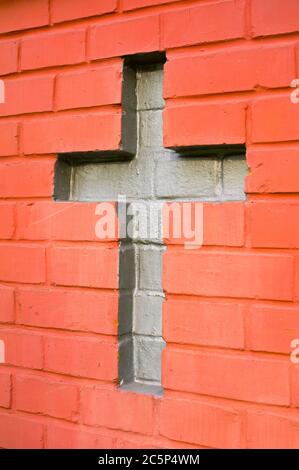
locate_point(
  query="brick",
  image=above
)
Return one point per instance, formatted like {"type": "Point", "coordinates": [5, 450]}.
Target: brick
{"type": "Point", "coordinates": [134, 4]}
{"type": "Point", "coordinates": [272, 328]}
{"type": "Point", "coordinates": [274, 224]}
{"type": "Point", "coordinates": [30, 178]}
{"type": "Point", "coordinates": [193, 25]}
{"type": "Point", "coordinates": [296, 290]}
{"type": "Point", "coordinates": [81, 356]}
{"type": "Point", "coordinates": [200, 423]}
{"type": "Point", "coordinates": [266, 430]}
{"type": "Point", "coordinates": [251, 275]}
{"type": "Point", "coordinates": [27, 96]}
{"type": "Point", "coordinates": [259, 380]}
{"type": "Point", "coordinates": [58, 221]}
{"type": "Point", "coordinates": [66, 437]}
{"type": "Point", "coordinates": [65, 10]}
{"type": "Point", "coordinates": [5, 389]}
{"type": "Point", "coordinates": [219, 324]}
{"type": "Point", "coordinates": [84, 266]}
{"type": "Point", "coordinates": [118, 410]}
{"type": "Point", "coordinates": [77, 133]}
{"type": "Point", "coordinates": [45, 396]}
{"type": "Point", "coordinates": [7, 220]}
{"type": "Point", "coordinates": [229, 71]}
{"type": "Point", "coordinates": [6, 305]}
{"type": "Point", "coordinates": [273, 171]}
{"type": "Point", "coordinates": [204, 124]}
{"type": "Point", "coordinates": [19, 433]}
{"type": "Point", "coordinates": [136, 441]}
{"type": "Point", "coordinates": [53, 308]}
{"type": "Point", "coordinates": [224, 224]}
{"type": "Point", "coordinates": [8, 139]}
{"type": "Point", "coordinates": [96, 87]}
{"type": "Point", "coordinates": [274, 119]}
{"type": "Point", "coordinates": [53, 49]}
{"type": "Point", "coordinates": [24, 349]}
{"type": "Point", "coordinates": [8, 57]}
{"type": "Point", "coordinates": [274, 17]}
{"type": "Point", "coordinates": [22, 263]}
{"type": "Point", "coordinates": [133, 36]}
{"type": "Point", "coordinates": [20, 14]}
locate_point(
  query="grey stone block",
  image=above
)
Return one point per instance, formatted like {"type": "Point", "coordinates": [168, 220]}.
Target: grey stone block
{"type": "Point", "coordinates": [150, 88]}
{"type": "Point", "coordinates": [234, 172]}
{"type": "Point", "coordinates": [148, 358]}
{"type": "Point", "coordinates": [148, 314]}
{"type": "Point", "coordinates": [150, 268]}
{"type": "Point", "coordinates": [126, 361]}
{"type": "Point", "coordinates": [188, 177]}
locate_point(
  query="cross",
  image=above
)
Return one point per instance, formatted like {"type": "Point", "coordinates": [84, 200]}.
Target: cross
{"type": "Point", "coordinates": [144, 170]}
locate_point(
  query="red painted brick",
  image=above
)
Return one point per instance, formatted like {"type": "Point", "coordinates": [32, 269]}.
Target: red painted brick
{"type": "Point", "coordinates": [22, 263]}
{"type": "Point", "coordinates": [134, 4]}
{"type": "Point", "coordinates": [53, 308]}
{"type": "Point", "coordinates": [81, 356]}
{"type": "Point", "coordinates": [133, 36]}
{"type": "Point", "coordinates": [274, 224]}
{"type": "Point", "coordinates": [257, 379]}
{"type": "Point", "coordinates": [272, 328]}
{"type": "Point", "coordinates": [5, 388]}
{"type": "Point", "coordinates": [229, 71]}
{"type": "Point", "coordinates": [32, 178]}
{"type": "Point", "coordinates": [275, 119]}
{"type": "Point", "coordinates": [296, 293]}
{"type": "Point", "coordinates": [8, 57]}
{"type": "Point", "coordinates": [266, 430]}
{"type": "Point", "coordinates": [219, 324]}
{"type": "Point", "coordinates": [23, 349]}
{"type": "Point", "coordinates": [193, 25]}
{"type": "Point", "coordinates": [200, 423]}
{"type": "Point", "coordinates": [64, 10]}
{"type": "Point", "coordinates": [224, 224]}
{"type": "Point", "coordinates": [126, 411]}
{"type": "Point", "coordinates": [84, 266]}
{"type": "Point", "coordinates": [7, 220]}
{"type": "Point", "coordinates": [204, 124]}
{"type": "Point", "coordinates": [21, 14]}
{"type": "Point", "coordinates": [45, 396]}
{"type": "Point", "coordinates": [273, 171]}
{"type": "Point", "coordinates": [96, 87]}
{"type": "Point", "coordinates": [6, 305]}
{"type": "Point", "coordinates": [8, 139]}
{"type": "Point", "coordinates": [27, 96]}
{"type": "Point", "coordinates": [50, 49]}
{"type": "Point", "coordinates": [66, 437]}
{"type": "Point", "coordinates": [59, 221]}
{"type": "Point", "coordinates": [274, 17]}
{"type": "Point", "coordinates": [19, 433]}
{"type": "Point", "coordinates": [264, 276]}
{"type": "Point", "coordinates": [72, 133]}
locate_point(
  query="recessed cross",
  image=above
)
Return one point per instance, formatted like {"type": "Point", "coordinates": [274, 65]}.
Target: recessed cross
{"type": "Point", "coordinates": [145, 171]}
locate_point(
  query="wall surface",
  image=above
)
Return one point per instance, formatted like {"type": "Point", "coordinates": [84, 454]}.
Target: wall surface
{"type": "Point", "coordinates": [231, 308]}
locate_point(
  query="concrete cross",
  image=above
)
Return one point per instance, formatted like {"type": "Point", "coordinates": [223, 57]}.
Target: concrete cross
{"type": "Point", "coordinates": [154, 175]}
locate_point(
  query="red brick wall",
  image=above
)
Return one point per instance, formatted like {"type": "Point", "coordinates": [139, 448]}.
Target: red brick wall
{"type": "Point", "coordinates": [231, 309]}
